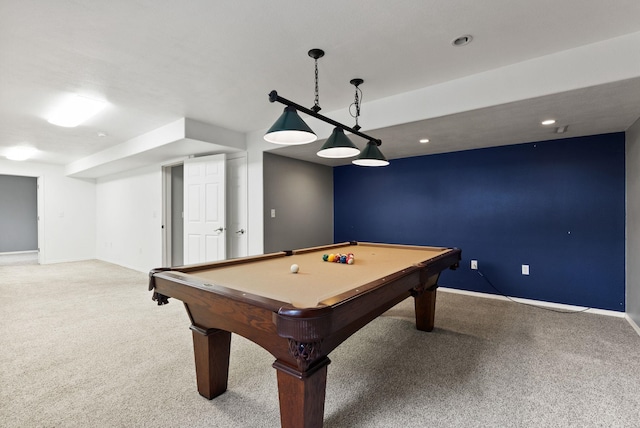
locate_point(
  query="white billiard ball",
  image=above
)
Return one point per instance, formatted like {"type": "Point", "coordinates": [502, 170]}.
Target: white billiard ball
{"type": "Point", "coordinates": [294, 268]}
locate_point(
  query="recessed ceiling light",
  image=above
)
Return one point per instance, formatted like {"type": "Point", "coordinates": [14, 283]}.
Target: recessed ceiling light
{"type": "Point", "coordinates": [20, 153]}
{"type": "Point", "coordinates": [548, 122]}
{"type": "Point", "coordinates": [462, 40]}
{"type": "Point", "coordinates": [102, 134]}
{"type": "Point", "coordinates": [423, 140]}
{"type": "Point", "coordinates": [75, 110]}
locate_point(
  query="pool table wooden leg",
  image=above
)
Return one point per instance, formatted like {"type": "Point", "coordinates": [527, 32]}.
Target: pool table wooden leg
{"type": "Point", "coordinates": [211, 349]}
{"type": "Point", "coordinates": [425, 303]}
{"type": "Point", "coordinates": [302, 394]}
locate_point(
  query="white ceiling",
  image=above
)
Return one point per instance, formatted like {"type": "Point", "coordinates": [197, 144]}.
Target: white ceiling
{"type": "Point", "coordinates": [214, 62]}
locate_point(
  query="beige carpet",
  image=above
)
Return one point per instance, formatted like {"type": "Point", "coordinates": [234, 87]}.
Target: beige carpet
{"type": "Point", "coordinates": [83, 345]}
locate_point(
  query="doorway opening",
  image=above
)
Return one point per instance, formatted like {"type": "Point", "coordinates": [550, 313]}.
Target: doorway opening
{"type": "Point", "coordinates": [20, 220]}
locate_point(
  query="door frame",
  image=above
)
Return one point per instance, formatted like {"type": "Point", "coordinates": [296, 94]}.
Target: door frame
{"type": "Point", "coordinates": [167, 203]}
{"type": "Point", "coordinates": [245, 216]}
{"type": "Point", "coordinates": [40, 217]}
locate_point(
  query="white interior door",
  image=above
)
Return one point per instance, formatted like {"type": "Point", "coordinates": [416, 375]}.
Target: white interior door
{"type": "Point", "coordinates": [204, 209]}
{"type": "Point", "coordinates": [237, 207]}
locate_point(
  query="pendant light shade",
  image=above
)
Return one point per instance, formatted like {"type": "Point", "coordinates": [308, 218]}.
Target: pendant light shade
{"type": "Point", "coordinates": [290, 129]}
{"type": "Point", "coordinates": [371, 156]}
{"type": "Point", "coordinates": [338, 145]}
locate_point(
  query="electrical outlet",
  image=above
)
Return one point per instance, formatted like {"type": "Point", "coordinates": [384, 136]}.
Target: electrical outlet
{"type": "Point", "coordinates": [474, 264]}
{"type": "Point", "coordinates": [525, 269]}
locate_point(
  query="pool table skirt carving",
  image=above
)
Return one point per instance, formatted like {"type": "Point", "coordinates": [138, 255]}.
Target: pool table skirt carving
{"type": "Point", "coordinates": [299, 333]}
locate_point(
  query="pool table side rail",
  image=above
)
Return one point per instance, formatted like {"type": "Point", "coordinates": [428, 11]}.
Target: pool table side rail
{"type": "Point", "coordinates": [223, 263]}
{"type": "Point", "coordinates": [167, 277]}
{"type": "Point", "coordinates": [322, 248]}
{"type": "Point", "coordinates": [398, 246]}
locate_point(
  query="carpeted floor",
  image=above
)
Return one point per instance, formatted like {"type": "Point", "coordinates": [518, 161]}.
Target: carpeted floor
{"type": "Point", "coordinates": [83, 345]}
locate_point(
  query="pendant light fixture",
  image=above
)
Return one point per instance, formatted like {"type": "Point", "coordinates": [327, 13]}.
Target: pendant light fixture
{"type": "Point", "coordinates": [290, 129]}
{"type": "Point", "coordinates": [371, 156]}
{"type": "Point", "coordinates": [338, 145]}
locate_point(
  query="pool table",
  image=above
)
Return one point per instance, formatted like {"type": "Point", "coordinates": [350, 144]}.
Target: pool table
{"type": "Point", "coordinates": [298, 317]}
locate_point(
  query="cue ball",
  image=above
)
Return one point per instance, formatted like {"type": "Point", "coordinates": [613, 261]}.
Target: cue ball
{"type": "Point", "coordinates": [294, 268]}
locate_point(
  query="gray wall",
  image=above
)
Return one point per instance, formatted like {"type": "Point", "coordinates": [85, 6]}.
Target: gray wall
{"type": "Point", "coordinates": [633, 221]}
{"type": "Point", "coordinates": [302, 195]}
{"type": "Point", "coordinates": [18, 213]}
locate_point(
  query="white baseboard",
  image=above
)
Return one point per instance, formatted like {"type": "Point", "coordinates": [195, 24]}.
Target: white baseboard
{"type": "Point", "coordinates": [541, 303]}
{"type": "Point", "coordinates": [633, 324]}
{"type": "Point", "coordinates": [13, 253]}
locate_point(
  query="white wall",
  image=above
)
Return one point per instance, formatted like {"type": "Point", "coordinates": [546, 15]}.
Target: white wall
{"type": "Point", "coordinates": [633, 222]}
{"type": "Point", "coordinates": [67, 211]}
{"type": "Point", "coordinates": [256, 146]}
{"type": "Point", "coordinates": [129, 218]}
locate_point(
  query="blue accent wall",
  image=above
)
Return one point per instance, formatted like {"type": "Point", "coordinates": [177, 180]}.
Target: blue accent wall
{"type": "Point", "coordinates": [558, 206]}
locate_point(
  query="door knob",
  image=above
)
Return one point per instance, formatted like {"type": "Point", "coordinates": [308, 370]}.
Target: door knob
{"type": "Point", "coordinates": [219, 230]}
{"type": "Point", "coordinates": [240, 232]}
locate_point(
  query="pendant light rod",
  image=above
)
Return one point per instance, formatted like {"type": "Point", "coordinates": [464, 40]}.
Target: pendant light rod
{"type": "Point", "coordinates": [273, 97]}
